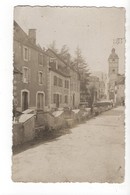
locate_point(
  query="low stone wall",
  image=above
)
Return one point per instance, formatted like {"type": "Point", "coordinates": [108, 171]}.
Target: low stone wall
{"type": "Point", "coordinates": [24, 132]}
{"type": "Point", "coordinates": [29, 129]}
{"type": "Point", "coordinates": [46, 122]}
{"type": "Point", "coordinates": [51, 121]}
{"type": "Point", "coordinates": [18, 134]}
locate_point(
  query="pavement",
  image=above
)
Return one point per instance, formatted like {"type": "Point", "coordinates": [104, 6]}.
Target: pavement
{"type": "Point", "coordinates": [90, 152]}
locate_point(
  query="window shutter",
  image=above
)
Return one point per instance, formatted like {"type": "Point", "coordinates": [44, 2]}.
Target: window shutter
{"type": "Point", "coordinates": [23, 75]}
{"type": "Point", "coordinates": [29, 54]}
{"type": "Point", "coordinates": [29, 75]}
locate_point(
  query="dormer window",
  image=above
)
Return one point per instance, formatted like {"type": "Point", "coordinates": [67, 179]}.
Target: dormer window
{"type": "Point", "coordinates": [53, 63]}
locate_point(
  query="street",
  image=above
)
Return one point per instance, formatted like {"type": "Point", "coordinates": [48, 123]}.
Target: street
{"type": "Point", "coordinates": [92, 152]}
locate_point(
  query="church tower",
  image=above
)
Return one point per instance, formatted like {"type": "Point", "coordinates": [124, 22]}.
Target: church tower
{"type": "Point", "coordinates": [113, 62]}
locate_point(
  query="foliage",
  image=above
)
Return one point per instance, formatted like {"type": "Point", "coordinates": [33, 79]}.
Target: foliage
{"type": "Point", "coordinates": [64, 54]}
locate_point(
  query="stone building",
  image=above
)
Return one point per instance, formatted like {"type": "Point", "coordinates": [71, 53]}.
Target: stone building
{"type": "Point", "coordinates": [120, 90]}
{"type": "Point", "coordinates": [63, 82]}
{"type": "Point", "coordinates": [31, 61]}
{"type": "Point", "coordinates": [94, 85]}
{"type": "Point", "coordinates": [113, 61]}
{"type": "Point", "coordinates": [103, 83]}
{"type": "Point", "coordinates": [116, 85]}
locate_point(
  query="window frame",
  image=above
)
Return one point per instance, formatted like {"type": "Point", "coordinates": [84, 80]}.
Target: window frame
{"type": "Point", "coordinates": [25, 79]}
{"type": "Point", "coordinates": [40, 78]}
{"type": "Point", "coordinates": [26, 58]}
{"type": "Point", "coordinates": [55, 79]}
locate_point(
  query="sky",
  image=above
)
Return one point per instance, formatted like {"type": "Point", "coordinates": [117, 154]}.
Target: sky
{"type": "Point", "coordinates": [91, 29]}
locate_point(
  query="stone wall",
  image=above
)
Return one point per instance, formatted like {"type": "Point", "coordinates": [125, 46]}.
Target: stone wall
{"type": "Point", "coordinates": [18, 134]}
{"type": "Point", "coordinates": [23, 132]}
{"type": "Point", "coordinates": [29, 129]}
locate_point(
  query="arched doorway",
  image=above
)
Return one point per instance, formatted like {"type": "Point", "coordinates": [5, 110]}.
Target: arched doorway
{"type": "Point", "coordinates": [73, 100]}
{"type": "Point", "coordinates": [40, 100]}
{"type": "Point", "coordinates": [25, 100]}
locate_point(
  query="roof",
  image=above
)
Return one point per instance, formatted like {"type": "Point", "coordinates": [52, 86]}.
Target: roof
{"type": "Point", "coordinates": [59, 72]}
{"type": "Point", "coordinates": [25, 117]}
{"type": "Point", "coordinates": [21, 36]}
{"type": "Point", "coordinates": [57, 113]}
{"type": "Point", "coordinates": [62, 60]}
{"type": "Point", "coordinates": [113, 55]}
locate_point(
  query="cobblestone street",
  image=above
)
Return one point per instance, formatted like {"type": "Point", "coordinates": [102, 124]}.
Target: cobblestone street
{"type": "Point", "coordinates": [92, 152]}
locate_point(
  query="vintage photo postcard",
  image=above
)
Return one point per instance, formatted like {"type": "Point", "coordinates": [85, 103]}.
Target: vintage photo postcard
{"type": "Point", "coordinates": [68, 94]}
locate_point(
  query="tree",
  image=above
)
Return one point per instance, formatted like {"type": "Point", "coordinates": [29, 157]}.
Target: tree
{"type": "Point", "coordinates": [64, 54]}
{"type": "Point", "coordinates": [81, 66]}
{"type": "Point", "coordinates": [79, 61]}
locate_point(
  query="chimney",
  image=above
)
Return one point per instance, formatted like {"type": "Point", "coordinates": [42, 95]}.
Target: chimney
{"type": "Point", "coordinates": [32, 35]}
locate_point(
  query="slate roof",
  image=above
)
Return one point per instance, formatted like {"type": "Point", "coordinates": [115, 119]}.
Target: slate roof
{"type": "Point", "coordinates": [21, 36]}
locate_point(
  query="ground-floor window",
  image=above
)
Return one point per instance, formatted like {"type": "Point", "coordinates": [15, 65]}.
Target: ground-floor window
{"type": "Point", "coordinates": [57, 99]}
{"type": "Point", "coordinates": [73, 99]}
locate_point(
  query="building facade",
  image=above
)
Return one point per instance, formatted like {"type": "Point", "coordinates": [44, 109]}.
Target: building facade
{"type": "Point", "coordinates": [64, 83]}
{"type": "Point", "coordinates": [94, 87]}
{"type": "Point", "coordinates": [103, 84]}
{"type": "Point", "coordinates": [116, 85]}
{"type": "Point", "coordinates": [31, 61]}
{"type": "Point", "coordinates": [113, 61]}
{"type": "Point", "coordinates": [120, 90]}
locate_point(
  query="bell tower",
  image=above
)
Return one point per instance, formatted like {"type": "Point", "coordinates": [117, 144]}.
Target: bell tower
{"type": "Point", "coordinates": [113, 61]}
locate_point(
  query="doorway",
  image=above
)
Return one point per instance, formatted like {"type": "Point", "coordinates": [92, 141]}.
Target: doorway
{"type": "Point", "coordinates": [73, 100]}
{"type": "Point", "coordinates": [40, 101]}
{"type": "Point", "coordinates": [57, 100]}
{"type": "Point", "coordinates": [25, 100]}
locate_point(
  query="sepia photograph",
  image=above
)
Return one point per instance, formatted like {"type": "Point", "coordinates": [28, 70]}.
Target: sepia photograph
{"type": "Point", "coordinates": [68, 94]}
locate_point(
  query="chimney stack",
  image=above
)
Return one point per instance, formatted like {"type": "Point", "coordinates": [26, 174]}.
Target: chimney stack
{"type": "Point", "coordinates": [32, 35]}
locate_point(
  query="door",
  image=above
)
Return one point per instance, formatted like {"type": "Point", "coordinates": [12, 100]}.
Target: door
{"type": "Point", "coordinates": [40, 101]}
{"type": "Point", "coordinates": [57, 100]}
{"type": "Point", "coordinates": [73, 100]}
{"type": "Point", "coordinates": [24, 100]}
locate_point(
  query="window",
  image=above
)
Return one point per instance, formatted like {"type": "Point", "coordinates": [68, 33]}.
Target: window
{"type": "Point", "coordinates": [60, 84]}
{"type": "Point", "coordinates": [25, 75]}
{"type": "Point", "coordinates": [60, 98]}
{"type": "Point", "coordinates": [113, 70]}
{"type": "Point", "coordinates": [66, 84]}
{"type": "Point", "coordinates": [26, 53]}
{"type": "Point", "coordinates": [66, 99]}
{"type": "Point", "coordinates": [40, 78]}
{"type": "Point", "coordinates": [40, 59]}
{"type": "Point", "coordinates": [55, 80]}
{"type": "Point", "coordinates": [54, 98]}
{"type": "Point", "coordinates": [53, 63]}
{"type": "Point", "coordinates": [58, 81]}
